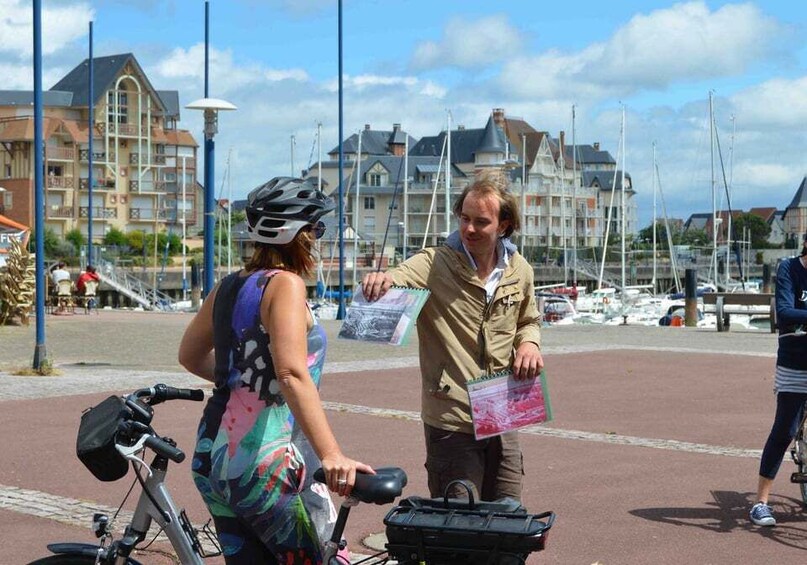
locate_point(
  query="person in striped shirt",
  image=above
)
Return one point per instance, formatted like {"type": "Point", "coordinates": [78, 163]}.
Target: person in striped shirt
{"type": "Point", "coordinates": [790, 381]}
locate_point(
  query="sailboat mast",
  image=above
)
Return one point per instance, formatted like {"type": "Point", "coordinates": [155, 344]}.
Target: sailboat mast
{"type": "Point", "coordinates": [728, 189]}
{"type": "Point", "coordinates": [292, 143]}
{"type": "Point", "coordinates": [523, 191]}
{"type": "Point", "coordinates": [563, 208]}
{"type": "Point", "coordinates": [714, 191]}
{"type": "Point", "coordinates": [356, 212]}
{"type": "Point", "coordinates": [405, 198]}
{"type": "Point", "coordinates": [448, 177]}
{"type": "Point", "coordinates": [622, 198]}
{"type": "Point", "coordinates": [574, 202]}
{"type": "Point", "coordinates": [319, 156]}
{"type": "Point", "coordinates": [655, 290]}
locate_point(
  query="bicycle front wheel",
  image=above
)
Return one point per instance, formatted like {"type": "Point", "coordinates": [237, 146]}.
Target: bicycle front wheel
{"type": "Point", "coordinates": [801, 458]}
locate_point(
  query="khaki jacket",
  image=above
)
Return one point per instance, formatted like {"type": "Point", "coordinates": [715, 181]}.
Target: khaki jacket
{"type": "Point", "coordinates": [461, 335]}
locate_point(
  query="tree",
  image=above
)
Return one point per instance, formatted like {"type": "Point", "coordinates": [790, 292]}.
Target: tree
{"type": "Point", "coordinates": [758, 229]}
{"type": "Point", "coordinates": [115, 237]}
{"type": "Point", "coordinates": [75, 237]}
{"type": "Point", "coordinates": [135, 240]}
{"type": "Point", "coordinates": [50, 241]}
{"type": "Point", "coordinates": [697, 238]}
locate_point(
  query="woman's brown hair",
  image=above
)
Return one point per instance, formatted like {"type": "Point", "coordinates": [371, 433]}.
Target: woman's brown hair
{"type": "Point", "coordinates": [494, 183]}
{"type": "Point", "coordinates": [295, 256]}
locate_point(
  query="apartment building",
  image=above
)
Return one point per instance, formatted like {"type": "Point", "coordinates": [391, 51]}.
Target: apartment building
{"type": "Point", "coordinates": [564, 198]}
{"type": "Point", "coordinates": [142, 162]}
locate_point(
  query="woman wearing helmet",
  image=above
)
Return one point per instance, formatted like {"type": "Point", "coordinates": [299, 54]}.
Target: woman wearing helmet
{"type": "Point", "coordinates": [264, 431]}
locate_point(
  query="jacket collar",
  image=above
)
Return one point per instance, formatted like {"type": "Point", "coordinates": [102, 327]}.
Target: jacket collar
{"type": "Point", "coordinates": [454, 242]}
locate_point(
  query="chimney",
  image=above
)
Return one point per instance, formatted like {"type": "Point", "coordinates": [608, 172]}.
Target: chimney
{"type": "Point", "coordinates": [366, 127]}
{"type": "Point", "coordinates": [396, 127]}
{"type": "Point", "coordinates": [596, 146]}
{"type": "Point", "coordinates": [460, 127]}
{"type": "Point", "coordinates": [498, 117]}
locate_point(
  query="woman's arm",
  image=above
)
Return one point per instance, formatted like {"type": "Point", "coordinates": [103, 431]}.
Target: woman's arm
{"type": "Point", "coordinates": [196, 347]}
{"type": "Point", "coordinates": [786, 311]}
{"type": "Point", "coordinates": [285, 316]}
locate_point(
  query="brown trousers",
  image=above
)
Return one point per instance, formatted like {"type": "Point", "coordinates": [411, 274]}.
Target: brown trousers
{"type": "Point", "coordinates": [494, 466]}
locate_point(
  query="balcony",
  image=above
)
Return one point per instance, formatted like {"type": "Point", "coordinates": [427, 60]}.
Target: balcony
{"type": "Point", "coordinates": [59, 182]}
{"type": "Point", "coordinates": [147, 214]}
{"type": "Point", "coordinates": [97, 156]}
{"type": "Point", "coordinates": [156, 159]}
{"type": "Point", "coordinates": [121, 129]}
{"type": "Point", "coordinates": [60, 153]}
{"type": "Point", "coordinates": [54, 211]}
{"type": "Point", "coordinates": [100, 184]}
{"type": "Point", "coordinates": [98, 213]}
{"type": "Point", "coordinates": [144, 186]}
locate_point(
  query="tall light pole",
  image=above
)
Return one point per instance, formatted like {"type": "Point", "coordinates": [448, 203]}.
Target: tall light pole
{"type": "Point", "coordinates": [211, 108]}
{"type": "Point", "coordinates": [40, 352]}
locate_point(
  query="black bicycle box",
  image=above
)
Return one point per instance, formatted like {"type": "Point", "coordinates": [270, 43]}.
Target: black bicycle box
{"type": "Point", "coordinates": [448, 529]}
{"type": "Point", "coordinates": [95, 444]}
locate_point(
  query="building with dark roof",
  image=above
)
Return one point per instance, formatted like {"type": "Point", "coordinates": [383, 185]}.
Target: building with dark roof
{"type": "Point", "coordinates": [139, 154]}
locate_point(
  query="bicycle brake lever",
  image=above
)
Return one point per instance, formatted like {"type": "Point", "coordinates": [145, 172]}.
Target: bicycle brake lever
{"type": "Point", "coordinates": [129, 452]}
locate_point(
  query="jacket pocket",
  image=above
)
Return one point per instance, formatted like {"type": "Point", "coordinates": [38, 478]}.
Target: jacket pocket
{"type": "Point", "coordinates": [504, 313]}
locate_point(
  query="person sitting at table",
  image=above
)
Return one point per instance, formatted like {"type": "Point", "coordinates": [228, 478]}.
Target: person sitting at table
{"type": "Point", "coordinates": [89, 274]}
{"type": "Point", "coordinates": [59, 274]}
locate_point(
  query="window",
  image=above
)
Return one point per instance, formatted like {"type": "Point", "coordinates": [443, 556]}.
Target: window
{"type": "Point", "coordinates": [54, 170]}
{"type": "Point", "coordinates": [369, 203]}
{"type": "Point", "coordinates": [376, 179]}
{"type": "Point", "coordinates": [8, 199]}
{"type": "Point", "coordinates": [123, 104]}
{"type": "Point", "coordinates": [8, 171]}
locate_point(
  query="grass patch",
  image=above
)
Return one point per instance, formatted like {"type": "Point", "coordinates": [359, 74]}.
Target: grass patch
{"type": "Point", "coordinates": [45, 370]}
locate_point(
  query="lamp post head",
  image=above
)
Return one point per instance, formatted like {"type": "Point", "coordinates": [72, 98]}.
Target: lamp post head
{"type": "Point", "coordinates": [211, 108]}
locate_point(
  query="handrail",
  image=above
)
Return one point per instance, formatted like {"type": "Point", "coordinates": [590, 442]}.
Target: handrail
{"type": "Point", "coordinates": [127, 284]}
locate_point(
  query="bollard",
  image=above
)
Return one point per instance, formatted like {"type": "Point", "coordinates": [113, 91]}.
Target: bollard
{"type": "Point", "coordinates": [691, 298]}
{"type": "Point", "coordinates": [196, 290]}
{"type": "Point", "coordinates": [766, 277]}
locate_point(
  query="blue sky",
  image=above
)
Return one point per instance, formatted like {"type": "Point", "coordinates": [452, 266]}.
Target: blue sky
{"type": "Point", "coordinates": [409, 61]}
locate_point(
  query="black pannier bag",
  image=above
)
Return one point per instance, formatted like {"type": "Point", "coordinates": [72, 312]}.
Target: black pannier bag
{"type": "Point", "coordinates": [450, 530]}
{"type": "Point", "coordinates": [95, 444]}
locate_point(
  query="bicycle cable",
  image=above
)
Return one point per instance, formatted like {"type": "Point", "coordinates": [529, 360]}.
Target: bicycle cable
{"type": "Point", "coordinates": [159, 509]}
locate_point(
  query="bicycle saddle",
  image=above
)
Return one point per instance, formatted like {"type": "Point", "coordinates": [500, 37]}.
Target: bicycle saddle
{"type": "Point", "coordinates": [382, 488]}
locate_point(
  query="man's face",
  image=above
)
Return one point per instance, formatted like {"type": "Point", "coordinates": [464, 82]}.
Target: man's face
{"type": "Point", "coordinates": [479, 223]}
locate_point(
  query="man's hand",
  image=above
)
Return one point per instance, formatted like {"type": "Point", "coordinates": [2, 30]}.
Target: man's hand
{"type": "Point", "coordinates": [528, 362]}
{"type": "Point", "coordinates": [375, 285]}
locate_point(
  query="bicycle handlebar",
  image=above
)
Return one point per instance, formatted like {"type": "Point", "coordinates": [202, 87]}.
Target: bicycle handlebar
{"type": "Point", "coordinates": [165, 449]}
{"type": "Point", "coordinates": [160, 393]}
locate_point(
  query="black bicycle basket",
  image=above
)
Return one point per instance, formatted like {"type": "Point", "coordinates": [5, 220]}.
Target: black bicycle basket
{"type": "Point", "coordinates": [449, 530]}
{"type": "Point", "coordinates": [95, 444]}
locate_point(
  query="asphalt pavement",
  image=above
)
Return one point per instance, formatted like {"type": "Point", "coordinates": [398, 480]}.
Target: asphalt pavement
{"type": "Point", "coordinates": [651, 457]}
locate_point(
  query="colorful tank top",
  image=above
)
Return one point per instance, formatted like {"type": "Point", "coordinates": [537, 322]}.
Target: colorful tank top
{"type": "Point", "coordinates": [252, 461]}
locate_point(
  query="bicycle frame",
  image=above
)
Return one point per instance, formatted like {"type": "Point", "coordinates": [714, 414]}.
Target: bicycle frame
{"type": "Point", "coordinates": [146, 511]}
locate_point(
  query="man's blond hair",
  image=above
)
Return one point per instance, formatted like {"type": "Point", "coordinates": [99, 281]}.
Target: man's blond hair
{"type": "Point", "coordinates": [494, 182]}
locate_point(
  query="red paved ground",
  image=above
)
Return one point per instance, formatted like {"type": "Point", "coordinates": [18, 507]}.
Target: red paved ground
{"type": "Point", "coordinates": [615, 503]}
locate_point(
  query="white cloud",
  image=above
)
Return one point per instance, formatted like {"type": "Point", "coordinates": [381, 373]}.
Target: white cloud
{"type": "Point", "coordinates": [772, 104]}
{"type": "Point", "coordinates": [189, 64]}
{"type": "Point", "coordinates": [686, 42]}
{"type": "Point", "coordinates": [61, 25]}
{"type": "Point", "coordinates": [469, 44]}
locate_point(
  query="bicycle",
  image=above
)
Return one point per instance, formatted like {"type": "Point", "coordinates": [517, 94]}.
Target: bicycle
{"type": "Point", "coordinates": [111, 437]}
{"type": "Point", "coordinates": [799, 455]}
{"type": "Point", "coordinates": [420, 531]}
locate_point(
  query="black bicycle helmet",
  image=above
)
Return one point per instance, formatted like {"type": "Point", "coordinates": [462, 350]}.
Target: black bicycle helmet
{"type": "Point", "coordinates": [280, 208]}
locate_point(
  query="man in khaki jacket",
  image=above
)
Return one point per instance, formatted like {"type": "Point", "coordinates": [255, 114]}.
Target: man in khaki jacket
{"type": "Point", "coordinates": [480, 318]}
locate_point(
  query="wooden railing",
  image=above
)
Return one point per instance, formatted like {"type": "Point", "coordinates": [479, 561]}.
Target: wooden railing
{"type": "Point", "coordinates": [55, 211]}
{"type": "Point", "coordinates": [59, 182]}
{"type": "Point", "coordinates": [147, 214]}
{"type": "Point", "coordinates": [102, 184]}
{"type": "Point", "coordinates": [146, 185]}
{"type": "Point", "coordinates": [60, 153]}
{"type": "Point", "coordinates": [98, 212]}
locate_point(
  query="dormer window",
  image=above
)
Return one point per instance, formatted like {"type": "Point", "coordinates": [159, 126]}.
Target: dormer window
{"type": "Point", "coordinates": [376, 179]}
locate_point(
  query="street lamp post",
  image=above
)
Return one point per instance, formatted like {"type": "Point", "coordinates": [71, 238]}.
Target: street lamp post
{"type": "Point", "coordinates": [211, 108]}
